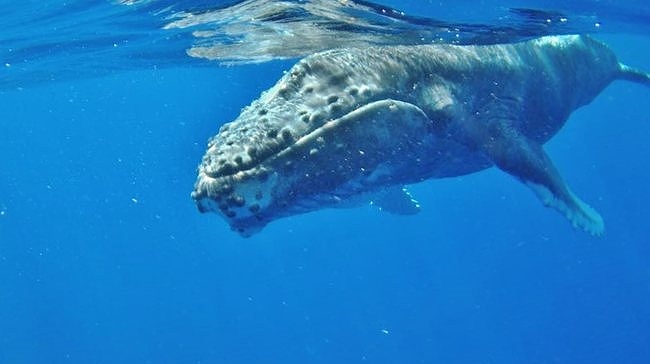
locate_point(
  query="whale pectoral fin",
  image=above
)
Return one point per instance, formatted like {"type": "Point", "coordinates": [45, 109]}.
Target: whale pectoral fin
{"type": "Point", "coordinates": [526, 160]}
{"type": "Point", "coordinates": [578, 212]}
{"type": "Point", "coordinates": [396, 200]}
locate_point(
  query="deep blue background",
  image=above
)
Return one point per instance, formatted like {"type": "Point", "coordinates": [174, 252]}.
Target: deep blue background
{"type": "Point", "coordinates": [105, 259]}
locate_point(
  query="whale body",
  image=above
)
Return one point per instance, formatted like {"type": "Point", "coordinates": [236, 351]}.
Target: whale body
{"type": "Point", "coordinates": [348, 125]}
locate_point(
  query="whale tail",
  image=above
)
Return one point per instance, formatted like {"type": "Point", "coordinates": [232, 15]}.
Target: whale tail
{"type": "Point", "coordinates": [633, 74]}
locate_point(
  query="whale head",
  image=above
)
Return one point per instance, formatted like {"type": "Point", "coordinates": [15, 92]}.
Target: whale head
{"type": "Point", "coordinates": [314, 140]}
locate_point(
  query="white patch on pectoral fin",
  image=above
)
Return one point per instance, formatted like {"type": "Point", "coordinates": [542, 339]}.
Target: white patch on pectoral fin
{"type": "Point", "coordinates": [579, 213]}
{"type": "Point", "coordinates": [525, 159]}
{"type": "Point", "coordinates": [396, 200]}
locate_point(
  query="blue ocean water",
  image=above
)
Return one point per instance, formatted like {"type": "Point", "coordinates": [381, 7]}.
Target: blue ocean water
{"type": "Point", "coordinates": [104, 257]}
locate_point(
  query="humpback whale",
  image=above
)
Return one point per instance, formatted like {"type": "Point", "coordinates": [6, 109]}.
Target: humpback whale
{"type": "Point", "coordinates": [348, 125]}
